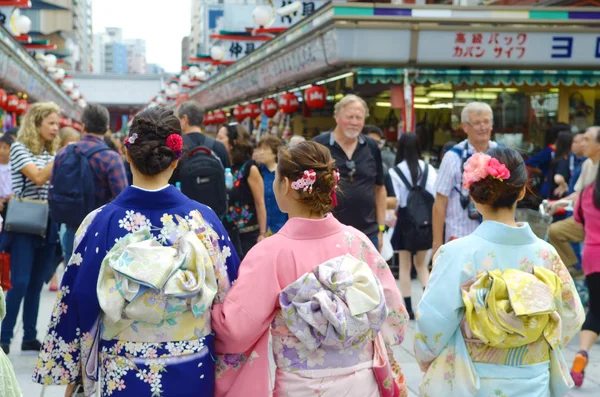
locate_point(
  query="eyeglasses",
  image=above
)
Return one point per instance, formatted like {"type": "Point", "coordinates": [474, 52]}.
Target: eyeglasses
{"type": "Point", "coordinates": [351, 165]}
{"type": "Point", "coordinates": [485, 123]}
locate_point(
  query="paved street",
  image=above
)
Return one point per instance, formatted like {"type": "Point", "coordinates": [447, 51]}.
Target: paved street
{"type": "Point", "coordinates": [24, 363]}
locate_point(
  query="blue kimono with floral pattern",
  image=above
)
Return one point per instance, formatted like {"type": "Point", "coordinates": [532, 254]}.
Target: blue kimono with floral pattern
{"type": "Point", "coordinates": [132, 317]}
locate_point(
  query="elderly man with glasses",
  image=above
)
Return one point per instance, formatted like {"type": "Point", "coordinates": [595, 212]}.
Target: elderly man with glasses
{"type": "Point", "coordinates": [363, 199]}
{"type": "Point", "coordinates": [453, 208]}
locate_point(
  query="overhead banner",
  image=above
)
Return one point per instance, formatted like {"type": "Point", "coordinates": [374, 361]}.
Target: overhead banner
{"type": "Point", "coordinates": [512, 49]}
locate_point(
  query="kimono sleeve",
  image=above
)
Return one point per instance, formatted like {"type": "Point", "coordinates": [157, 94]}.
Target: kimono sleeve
{"type": "Point", "coordinates": [441, 309]}
{"type": "Point", "coordinates": [250, 305]}
{"type": "Point", "coordinates": [571, 311]}
{"type": "Point", "coordinates": [395, 325]}
{"type": "Point", "coordinates": [68, 341]}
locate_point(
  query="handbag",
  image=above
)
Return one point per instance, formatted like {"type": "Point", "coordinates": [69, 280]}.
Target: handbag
{"type": "Point", "coordinates": [390, 380]}
{"type": "Point", "coordinates": [28, 216]}
{"type": "Point", "coordinates": [5, 271]}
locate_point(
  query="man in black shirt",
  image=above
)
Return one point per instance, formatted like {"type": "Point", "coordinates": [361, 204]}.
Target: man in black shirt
{"type": "Point", "coordinates": [362, 201]}
{"type": "Point", "coordinates": [190, 116]}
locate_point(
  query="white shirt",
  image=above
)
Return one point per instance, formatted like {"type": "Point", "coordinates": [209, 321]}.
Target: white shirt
{"type": "Point", "coordinates": [5, 180]}
{"type": "Point", "coordinates": [400, 188]}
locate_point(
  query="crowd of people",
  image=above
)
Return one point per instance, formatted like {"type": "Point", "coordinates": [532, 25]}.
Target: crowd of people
{"type": "Point", "coordinates": [187, 253]}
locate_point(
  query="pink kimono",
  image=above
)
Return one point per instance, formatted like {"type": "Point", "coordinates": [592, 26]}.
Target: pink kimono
{"type": "Point", "coordinates": [283, 268]}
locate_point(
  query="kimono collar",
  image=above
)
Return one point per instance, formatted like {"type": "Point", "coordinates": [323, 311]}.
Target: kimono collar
{"type": "Point", "coordinates": [165, 198]}
{"type": "Point", "coordinates": [308, 229]}
{"type": "Point", "coordinates": [500, 233]}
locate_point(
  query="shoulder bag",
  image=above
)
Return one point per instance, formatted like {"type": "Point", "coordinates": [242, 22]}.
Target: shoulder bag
{"type": "Point", "coordinates": [27, 216]}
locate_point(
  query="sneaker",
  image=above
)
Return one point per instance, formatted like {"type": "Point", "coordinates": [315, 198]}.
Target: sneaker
{"type": "Point", "coordinates": [31, 346]}
{"type": "Point", "coordinates": [5, 348]}
{"type": "Point", "coordinates": [578, 369]}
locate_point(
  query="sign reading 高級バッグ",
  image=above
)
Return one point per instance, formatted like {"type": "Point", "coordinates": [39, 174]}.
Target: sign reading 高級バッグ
{"type": "Point", "coordinates": [519, 48]}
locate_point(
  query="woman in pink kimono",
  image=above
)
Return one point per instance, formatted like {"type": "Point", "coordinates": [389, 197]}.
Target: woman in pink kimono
{"type": "Point", "coordinates": [320, 289]}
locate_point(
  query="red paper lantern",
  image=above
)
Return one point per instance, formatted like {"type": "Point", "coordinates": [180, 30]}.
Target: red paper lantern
{"type": "Point", "coordinates": [315, 97]}
{"type": "Point", "coordinates": [3, 99]}
{"type": "Point", "coordinates": [253, 110]}
{"type": "Point", "coordinates": [220, 117]}
{"type": "Point", "coordinates": [269, 107]}
{"type": "Point", "coordinates": [78, 126]}
{"type": "Point", "coordinates": [288, 103]}
{"type": "Point", "coordinates": [12, 103]}
{"type": "Point", "coordinates": [238, 113]}
{"type": "Point", "coordinates": [209, 119]}
{"type": "Point", "coordinates": [22, 106]}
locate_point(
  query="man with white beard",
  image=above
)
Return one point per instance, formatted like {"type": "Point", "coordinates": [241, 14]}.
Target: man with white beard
{"type": "Point", "coordinates": [361, 203]}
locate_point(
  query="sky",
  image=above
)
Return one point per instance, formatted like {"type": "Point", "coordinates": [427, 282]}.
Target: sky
{"type": "Point", "coordinates": [162, 23]}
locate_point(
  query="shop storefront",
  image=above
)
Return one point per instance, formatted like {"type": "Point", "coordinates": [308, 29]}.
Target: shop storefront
{"type": "Point", "coordinates": [22, 77]}
{"type": "Point", "coordinates": [418, 66]}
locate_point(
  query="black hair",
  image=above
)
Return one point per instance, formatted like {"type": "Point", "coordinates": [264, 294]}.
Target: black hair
{"type": "Point", "coordinates": [12, 131]}
{"type": "Point", "coordinates": [497, 193]}
{"type": "Point", "coordinates": [149, 152]}
{"type": "Point", "coordinates": [373, 129]}
{"type": "Point", "coordinates": [8, 139]}
{"type": "Point", "coordinates": [96, 119]}
{"type": "Point", "coordinates": [110, 143]}
{"type": "Point", "coordinates": [448, 145]}
{"type": "Point", "coordinates": [193, 111]}
{"type": "Point", "coordinates": [240, 144]}
{"type": "Point", "coordinates": [564, 141]}
{"type": "Point", "coordinates": [553, 131]}
{"type": "Point", "coordinates": [409, 150]}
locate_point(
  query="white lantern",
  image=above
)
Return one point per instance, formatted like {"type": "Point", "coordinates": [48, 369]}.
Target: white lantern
{"type": "Point", "coordinates": [184, 79]}
{"type": "Point", "coordinates": [59, 74]}
{"type": "Point", "coordinates": [75, 94]}
{"type": "Point", "coordinates": [201, 75]}
{"type": "Point", "coordinates": [81, 102]}
{"type": "Point", "coordinates": [217, 53]}
{"type": "Point", "coordinates": [263, 16]}
{"type": "Point", "coordinates": [193, 70]}
{"type": "Point", "coordinates": [290, 9]}
{"type": "Point", "coordinates": [68, 85]}
{"type": "Point", "coordinates": [174, 88]}
{"type": "Point", "coordinates": [50, 60]}
{"type": "Point", "coordinates": [22, 24]}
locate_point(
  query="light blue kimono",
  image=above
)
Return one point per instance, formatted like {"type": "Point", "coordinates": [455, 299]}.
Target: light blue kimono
{"type": "Point", "coordinates": [452, 365]}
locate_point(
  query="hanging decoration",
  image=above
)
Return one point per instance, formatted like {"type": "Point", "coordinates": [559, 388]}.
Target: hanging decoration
{"type": "Point", "coordinates": [238, 113]}
{"type": "Point", "coordinates": [12, 103]}
{"type": "Point", "coordinates": [21, 106]}
{"type": "Point", "coordinates": [209, 119]}
{"type": "Point", "coordinates": [253, 110]}
{"type": "Point", "coordinates": [269, 107]}
{"type": "Point", "coordinates": [288, 103]}
{"type": "Point", "coordinates": [315, 97]}
{"type": "Point", "coordinates": [3, 99]}
{"type": "Point", "coordinates": [220, 117]}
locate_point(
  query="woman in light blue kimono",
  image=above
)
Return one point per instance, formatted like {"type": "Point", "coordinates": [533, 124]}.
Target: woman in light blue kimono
{"type": "Point", "coordinates": [132, 317]}
{"type": "Point", "coordinates": [500, 305]}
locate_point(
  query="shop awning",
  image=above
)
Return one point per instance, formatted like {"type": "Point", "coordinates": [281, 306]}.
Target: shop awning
{"type": "Point", "coordinates": [577, 78]}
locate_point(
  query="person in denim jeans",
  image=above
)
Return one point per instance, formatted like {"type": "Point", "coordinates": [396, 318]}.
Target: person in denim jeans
{"type": "Point", "coordinates": [32, 257]}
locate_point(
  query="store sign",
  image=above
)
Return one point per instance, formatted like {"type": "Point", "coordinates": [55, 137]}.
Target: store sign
{"type": "Point", "coordinates": [519, 48]}
{"type": "Point", "coordinates": [238, 17]}
{"type": "Point", "coordinates": [292, 65]}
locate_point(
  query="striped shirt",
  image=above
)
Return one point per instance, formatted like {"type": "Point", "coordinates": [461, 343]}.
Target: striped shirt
{"type": "Point", "coordinates": [24, 187]}
{"type": "Point", "coordinates": [449, 183]}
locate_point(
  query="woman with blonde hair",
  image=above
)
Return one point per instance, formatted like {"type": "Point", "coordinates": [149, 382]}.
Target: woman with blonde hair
{"type": "Point", "coordinates": [32, 256]}
{"type": "Point", "coordinates": [68, 135]}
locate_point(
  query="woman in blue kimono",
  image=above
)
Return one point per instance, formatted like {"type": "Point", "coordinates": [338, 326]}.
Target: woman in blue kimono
{"type": "Point", "coordinates": [500, 305]}
{"type": "Point", "coordinates": [132, 317]}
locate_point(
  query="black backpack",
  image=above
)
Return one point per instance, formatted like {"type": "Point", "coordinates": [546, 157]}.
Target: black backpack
{"type": "Point", "coordinates": [72, 194]}
{"type": "Point", "coordinates": [417, 231]}
{"type": "Point", "coordinates": [202, 175]}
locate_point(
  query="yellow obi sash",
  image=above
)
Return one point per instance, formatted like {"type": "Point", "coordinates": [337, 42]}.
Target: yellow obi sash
{"type": "Point", "coordinates": [152, 293]}
{"type": "Point", "coordinates": [511, 316]}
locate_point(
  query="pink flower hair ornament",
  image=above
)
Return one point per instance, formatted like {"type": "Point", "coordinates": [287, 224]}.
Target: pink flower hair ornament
{"type": "Point", "coordinates": [306, 182]}
{"type": "Point", "coordinates": [481, 166]}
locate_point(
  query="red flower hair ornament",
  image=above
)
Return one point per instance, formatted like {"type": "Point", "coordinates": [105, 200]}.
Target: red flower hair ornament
{"type": "Point", "coordinates": [175, 143]}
